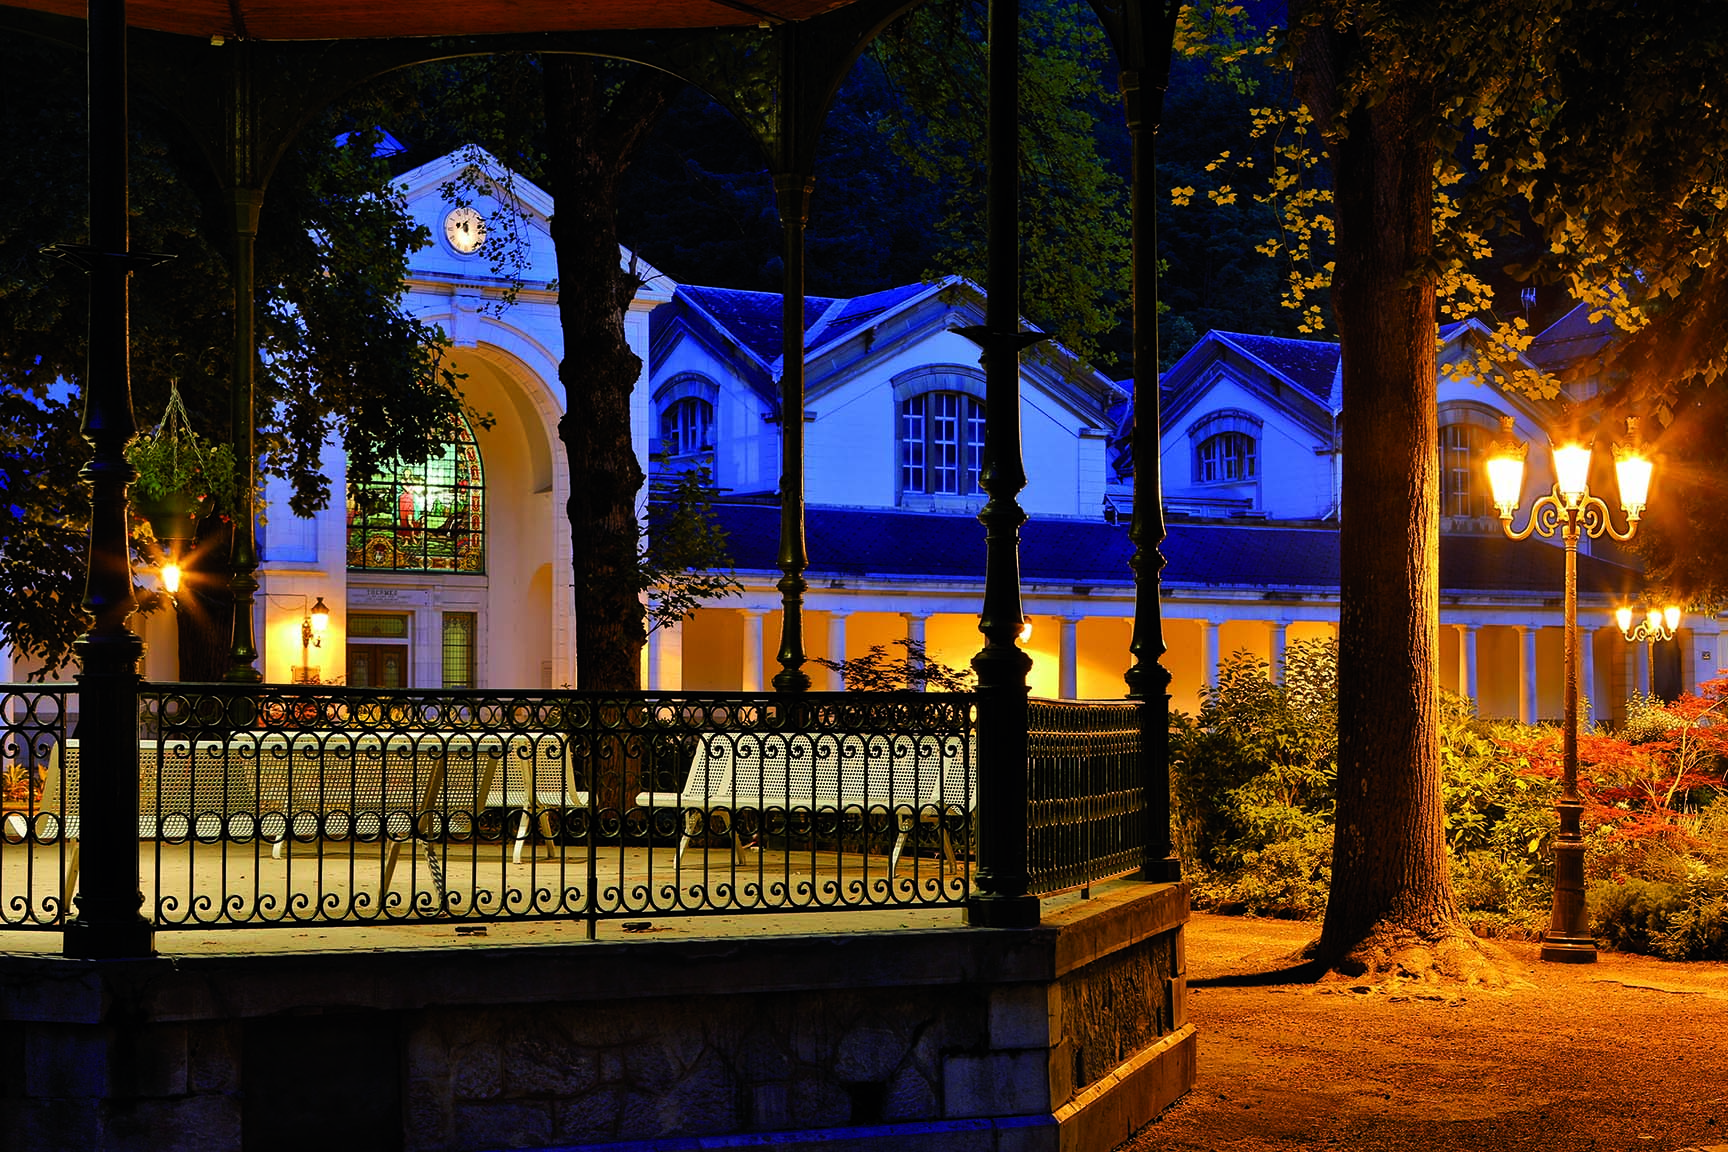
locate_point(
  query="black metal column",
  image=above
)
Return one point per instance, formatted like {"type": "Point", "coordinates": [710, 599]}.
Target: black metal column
{"type": "Point", "coordinates": [248, 203]}
{"type": "Point", "coordinates": [1147, 679]}
{"type": "Point", "coordinates": [792, 191]}
{"type": "Point", "coordinates": [108, 923]}
{"type": "Point", "coordinates": [1001, 666]}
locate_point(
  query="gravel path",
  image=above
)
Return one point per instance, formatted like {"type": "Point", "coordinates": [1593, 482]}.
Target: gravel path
{"type": "Point", "coordinates": [1627, 1053]}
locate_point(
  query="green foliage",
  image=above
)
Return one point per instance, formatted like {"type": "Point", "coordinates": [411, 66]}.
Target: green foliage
{"type": "Point", "coordinates": [1683, 920]}
{"type": "Point", "coordinates": [684, 560]}
{"type": "Point", "coordinates": [337, 353]}
{"type": "Point", "coordinates": [879, 671]}
{"type": "Point", "coordinates": [1255, 768]}
{"type": "Point", "coordinates": [1073, 219]}
{"type": "Point", "coordinates": [1288, 879]}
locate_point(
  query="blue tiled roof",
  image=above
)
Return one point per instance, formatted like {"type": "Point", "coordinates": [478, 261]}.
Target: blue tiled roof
{"type": "Point", "coordinates": [860, 310]}
{"type": "Point", "coordinates": [1309, 364]}
{"type": "Point", "coordinates": [1572, 337]}
{"type": "Point", "coordinates": [752, 318]}
{"type": "Point", "coordinates": [860, 542]}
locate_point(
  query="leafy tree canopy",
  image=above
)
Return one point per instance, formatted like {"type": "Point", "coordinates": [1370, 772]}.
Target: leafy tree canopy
{"type": "Point", "coordinates": [339, 359]}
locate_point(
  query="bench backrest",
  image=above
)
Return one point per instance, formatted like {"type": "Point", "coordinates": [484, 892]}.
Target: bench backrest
{"type": "Point", "coordinates": [228, 788]}
{"type": "Point", "coordinates": [828, 770]}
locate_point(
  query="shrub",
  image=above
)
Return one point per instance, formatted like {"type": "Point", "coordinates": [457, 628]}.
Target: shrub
{"type": "Point", "coordinates": [1289, 879]}
{"type": "Point", "coordinates": [1629, 913]}
{"type": "Point", "coordinates": [1257, 765]}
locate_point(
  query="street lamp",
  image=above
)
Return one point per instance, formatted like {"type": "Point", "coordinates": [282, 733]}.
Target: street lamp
{"type": "Point", "coordinates": [313, 624]}
{"type": "Point", "coordinates": [1569, 511]}
{"type": "Point", "coordinates": [1658, 624]}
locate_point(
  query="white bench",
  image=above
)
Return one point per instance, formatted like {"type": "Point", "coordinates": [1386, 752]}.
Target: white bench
{"type": "Point", "coordinates": [911, 778]}
{"type": "Point", "coordinates": [277, 786]}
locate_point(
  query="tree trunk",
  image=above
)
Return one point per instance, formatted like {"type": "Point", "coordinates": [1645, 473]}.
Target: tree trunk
{"type": "Point", "coordinates": [1391, 887]}
{"type": "Point", "coordinates": [590, 142]}
{"type": "Point", "coordinates": [204, 606]}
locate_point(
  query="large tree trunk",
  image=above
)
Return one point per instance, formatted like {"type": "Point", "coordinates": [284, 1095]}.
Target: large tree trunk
{"type": "Point", "coordinates": [204, 606]}
{"type": "Point", "coordinates": [591, 138]}
{"type": "Point", "coordinates": [1391, 889]}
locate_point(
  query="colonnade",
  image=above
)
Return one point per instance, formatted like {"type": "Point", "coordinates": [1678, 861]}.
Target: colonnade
{"type": "Point", "coordinates": [1511, 666]}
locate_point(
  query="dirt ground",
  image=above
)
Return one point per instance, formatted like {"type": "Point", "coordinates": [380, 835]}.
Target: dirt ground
{"type": "Point", "coordinates": [1627, 1053]}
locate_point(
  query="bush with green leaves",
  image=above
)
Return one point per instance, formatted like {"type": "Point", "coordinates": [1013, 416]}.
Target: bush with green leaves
{"type": "Point", "coordinates": [1252, 777]}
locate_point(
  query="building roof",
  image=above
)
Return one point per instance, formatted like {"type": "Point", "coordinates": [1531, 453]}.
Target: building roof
{"type": "Point", "coordinates": [865, 543]}
{"type": "Point", "coordinates": [1571, 338]}
{"type": "Point", "coordinates": [753, 318]}
{"type": "Point", "coordinates": [1308, 364]}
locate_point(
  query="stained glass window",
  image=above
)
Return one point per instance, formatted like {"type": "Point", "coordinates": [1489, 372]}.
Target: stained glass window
{"type": "Point", "coordinates": [426, 517]}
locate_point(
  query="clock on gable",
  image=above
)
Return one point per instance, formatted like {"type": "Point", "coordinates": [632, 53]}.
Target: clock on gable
{"type": "Point", "coordinates": [465, 228]}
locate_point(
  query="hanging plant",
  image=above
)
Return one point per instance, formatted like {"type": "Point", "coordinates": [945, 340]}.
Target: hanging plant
{"type": "Point", "coordinates": [181, 476]}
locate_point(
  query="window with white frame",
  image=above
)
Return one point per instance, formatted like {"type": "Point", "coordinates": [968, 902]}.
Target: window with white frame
{"type": "Point", "coordinates": [1226, 447]}
{"type": "Point", "coordinates": [1463, 481]}
{"type": "Point", "coordinates": [1228, 457]}
{"type": "Point", "coordinates": [941, 444]}
{"type": "Point", "coordinates": [687, 426]}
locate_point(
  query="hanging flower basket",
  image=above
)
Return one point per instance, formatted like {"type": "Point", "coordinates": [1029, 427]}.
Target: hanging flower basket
{"type": "Point", "coordinates": [172, 515]}
{"type": "Point", "coordinates": [181, 476]}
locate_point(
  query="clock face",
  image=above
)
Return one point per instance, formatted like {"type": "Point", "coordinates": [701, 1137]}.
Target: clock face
{"type": "Point", "coordinates": [465, 229]}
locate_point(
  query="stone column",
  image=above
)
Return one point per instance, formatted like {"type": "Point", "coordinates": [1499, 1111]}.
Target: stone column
{"type": "Point", "coordinates": [1280, 630]}
{"type": "Point", "coordinates": [1639, 655]}
{"type": "Point", "coordinates": [752, 649]}
{"type": "Point", "coordinates": [915, 633]}
{"type": "Point", "coordinates": [836, 646]}
{"type": "Point", "coordinates": [1069, 674]}
{"type": "Point", "coordinates": [1597, 673]}
{"type": "Point", "coordinates": [1527, 673]}
{"type": "Point", "coordinates": [1467, 660]}
{"type": "Point", "coordinates": [666, 658]}
{"type": "Point", "coordinates": [1209, 646]}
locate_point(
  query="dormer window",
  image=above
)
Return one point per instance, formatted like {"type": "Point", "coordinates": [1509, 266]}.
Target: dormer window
{"type": "Point", "coordinates": [687, 426]}
{"type": "Point", "coordinates": [941, 445]}
{"type": "Point", "coordinates": [1228, 457]}
{"type": "Point", "coordinates": [1226, 448]}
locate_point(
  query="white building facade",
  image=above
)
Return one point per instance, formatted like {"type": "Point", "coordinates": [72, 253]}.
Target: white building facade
{"type": "Point", "coordinates": [458, 573]}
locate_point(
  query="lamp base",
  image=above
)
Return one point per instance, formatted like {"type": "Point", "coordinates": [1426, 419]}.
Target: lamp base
{"type": "Point", "coordinates": [1568, 949]}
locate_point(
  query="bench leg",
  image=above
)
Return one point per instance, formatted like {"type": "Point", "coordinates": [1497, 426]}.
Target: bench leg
{"type": "Point", "coordinates": [692, 825]}
{"type": "Point", "coordinates": [899, 844]}
{"type": "Point", "coordinates": [521, 837]}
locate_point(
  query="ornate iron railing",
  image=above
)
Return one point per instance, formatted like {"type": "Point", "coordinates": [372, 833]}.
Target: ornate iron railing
{"type": "Point", "coordinates": [34, 856]}
{"type": "Point", "coordinates": [1087, 816]}
{"type": "Point", "coordinates": [292, 805]}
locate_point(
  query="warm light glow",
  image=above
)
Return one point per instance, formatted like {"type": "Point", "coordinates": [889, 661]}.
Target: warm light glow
{"type": "Point", "coordinates": [1572, 472]}
{"type": "Point", "coordinates": [320, 617]}
{"type": "Point", "coordinates": [1506, 482]}
{"type": "Point", "coordinates": [1506, 470]}
{"type": "Point", "coordinates": [1653, 620]}
{"type": "Point", "coordinates": [1623, 617]}
{"type": "Point", "coordinates": [1025, 629]}
{"type": "Point", "coordinates": [1632, 468]}
{"type": "Point", "coordinates": [171, 578]}
{"type": "Point", "coordinates": [1671, 615]}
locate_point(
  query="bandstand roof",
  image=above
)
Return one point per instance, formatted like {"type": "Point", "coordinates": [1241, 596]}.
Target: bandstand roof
{"type": "Point", "coordinates": [359, 19]}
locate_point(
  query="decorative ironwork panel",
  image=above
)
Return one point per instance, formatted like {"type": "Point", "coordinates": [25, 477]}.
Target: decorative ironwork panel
{"type": "Point", "coordinates": [36, 855]}
{"type": "Point", "coordinates": [295, 805]}
{"type": "Point", "coordinates": [1086, 818]}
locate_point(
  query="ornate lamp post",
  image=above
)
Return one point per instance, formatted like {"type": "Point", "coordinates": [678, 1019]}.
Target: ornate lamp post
{"type": "Point", "coordinates": [1569, 511]}
{"type": "Point", "coordinates": [1658, 624]}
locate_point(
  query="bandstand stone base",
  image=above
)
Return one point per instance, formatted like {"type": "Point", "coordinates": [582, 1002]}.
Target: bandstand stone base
{"type": "Point", "coordinates": [1066, 1037]}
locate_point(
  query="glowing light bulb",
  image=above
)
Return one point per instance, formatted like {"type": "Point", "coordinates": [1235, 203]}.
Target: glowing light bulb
{"type": "Point", "coordinates": [171, 578]}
